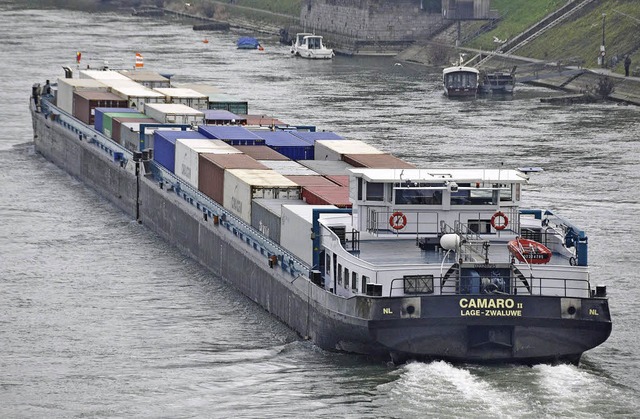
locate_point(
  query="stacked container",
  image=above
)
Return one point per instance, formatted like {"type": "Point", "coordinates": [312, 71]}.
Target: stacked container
{"type": "Point", "coordinates": [100, 113]}
{"type": "Point", "coordinates": [222, 117]}
{"type": "Point", "coordinates": [187, 152]}
{"type": "Point", "coordinates": [147, 78]}
{"type": "Point", "coordinates": [211, 172]}
{"type": "Point", "coordinates": [184, 96]}
{"type": "Point", "coordinates": [241, 186]}
{"type": "Point", "coordinates": [288, 168]}
{"type": "Point", "coordinates": [174, 113]}
{"type": "Point", "coordinates": [164, 146]}
{"type": "Point", "coordinates": [261, 152]}
{"type": "Point", "coordinates": [137, 95]}
{"type": "Point", "coordinates": [287, 144]}
{"type": "Point", "coordinates": [228, 103]}
{"type": "Point", "coordinates": [67, 87]}
{"type": "Point", "coordinates": [336, 149]}
{"type": "Point", "coordinates": [116, 129]}
{"type": "Point", "coordinates": [296, 227]}
{"type": "Point", "coordinates": [377, 161]}
{"type": "Point", "coordinates": [266, 215]}
{"type": "Point", "coordinates": [234, 135]}
{"type": "Point", "coordinates": [86, 101]}
{"type": "Point", "coordinates": [313, 136]}
{"type": "Point", "coordinates": [327, 195]}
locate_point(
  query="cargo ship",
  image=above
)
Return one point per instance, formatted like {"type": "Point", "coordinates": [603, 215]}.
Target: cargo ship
{"type": "Point", "coordinates": [353, 248]}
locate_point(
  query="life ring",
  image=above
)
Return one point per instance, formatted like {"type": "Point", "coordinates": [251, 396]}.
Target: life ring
{"type": "Point", "coordinates": [398, 220]}
{"type": "Point", "coordinates": [502, 225]}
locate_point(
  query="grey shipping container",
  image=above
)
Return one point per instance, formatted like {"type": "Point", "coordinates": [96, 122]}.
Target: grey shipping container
{"type": "Point", "coordinates": [266, 215]}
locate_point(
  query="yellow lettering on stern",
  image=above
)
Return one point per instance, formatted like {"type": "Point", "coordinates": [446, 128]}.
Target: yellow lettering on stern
{"type": "Point", "coordinates": [387, 311]}
{"type": "Point", "coordinates": [593, 312]}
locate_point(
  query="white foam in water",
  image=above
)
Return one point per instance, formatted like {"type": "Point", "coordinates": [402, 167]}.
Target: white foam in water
{"type": "Point", "coordinates": [439, 388]}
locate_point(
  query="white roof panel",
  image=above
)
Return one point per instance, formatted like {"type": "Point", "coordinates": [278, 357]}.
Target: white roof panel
{"type": "Point", "coordinates": [440, 175]}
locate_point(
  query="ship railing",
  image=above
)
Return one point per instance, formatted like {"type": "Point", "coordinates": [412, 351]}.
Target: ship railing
{"type": "Point", "coordinates": [218, 214]}
{"type": "Point", "coordinates": [496, 285]}
{"type": "Point", "coordinates": [117, 153]}
{"type": "Point", "coordinates": [121, 156]}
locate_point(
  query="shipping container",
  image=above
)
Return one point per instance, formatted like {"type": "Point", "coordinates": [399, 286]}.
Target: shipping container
{"type": "Point", "coordinates": [287, 144]}
{"type": "Point", "coordinates": [130, 135]}
{"type": "Point", "coordinates": [327, 167]}
{"type": "Point", "coordinates": [342, 180]}
{"type": "Point", "coordinates": [261, 152]}
{"type": "Point", "coordinates": [205, 89]}
{"type": "Point", "coordinates": [137, 95]}
{"type": "Point", "coordinates": [184, 96]}
{"type": "Point", "coordinates": [296, 227]}
{"type": "Point", "coordinates": [241, 186]}
{"type": "Point", "coordinates": [116, 129]}
{"type": "Point", "coordinates": [67, 87]}
{"type": "Point", "coordinates": [187, 152]}
{"type": "Point", "coordinates": [147, 78]}
{"type": "Point", "coordinates": [107, 120]}
{"type": "Point", "coordinates": [174, 113]}
{"type": "Point", "coordinates": [288, 168]}
{"type": "Point", "coordinates": [262, 121]}
{"type": "Point", "coordinates": [313, 136]}
{"type": "Point", "coordinates": [377, 161]}
{"type": "Point", "coordinates": [164, 146]}
{"type": "Point", "coordinates": [100, 112]}
{"type": "Point", "coordinates": [326, 195]}
{"type": "Point", "coordinates": [266, 215]}
{"type": "Point", "coordinates": [228, 103]}
{"type": "Point", "coordinates": [310, 180]}
{"type": "Point", "coordinates": [86, 101]}
{"type": "Point", "coordinates": [232, 134]}
{"type": "Point", "coordinates": [222, 117]}
{"type": "Point", "coordinates": [335, 149]}
{"type": "Point", "coordinates": [102, 75]}
{"type": "Point", "coordinates": [211, 169]}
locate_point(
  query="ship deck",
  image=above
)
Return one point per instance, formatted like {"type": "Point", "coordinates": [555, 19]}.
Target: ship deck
{"type": "Point", "coordinates": [405, 251]}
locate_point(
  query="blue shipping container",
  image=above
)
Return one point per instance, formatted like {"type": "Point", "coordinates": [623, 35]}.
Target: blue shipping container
{"type": "Point", "coordinates": [312, 137]}
{"type": "Point", "coordinates": [233, 134]}
{"type": "Point", "coordinates": [99, 113]}
{"type": "Point", "coordinates": [287, 144]}
{"type": "Point", "coordinates": [164, 146]}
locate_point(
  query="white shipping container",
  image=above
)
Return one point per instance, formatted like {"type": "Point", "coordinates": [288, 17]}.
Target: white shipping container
{"type": "Point", "coordinates": [335, 149]}
{"type": "Point", "coordinates": [137, 95]}
{"type": "Point", "coordinates": [174, 113]}
{"type": "Point", "coordinates": [66, 87]}
{"type": "Point", "coordinates": [130, 135]}
{"type": "Point", "coordinates": [241, 186]}
{"type": "Point", "coordinates": [185, 96]}
{"type": "Point", "coordinates": [102, 75]}
{"type": "Point", "coordinates": [147, 78]}
{"type": "Point", "coordinates": [186, 157]}
{"type": "Point", "coordinates": [296, 224]}
{"type": "Point", "coordinates": [288, 167]}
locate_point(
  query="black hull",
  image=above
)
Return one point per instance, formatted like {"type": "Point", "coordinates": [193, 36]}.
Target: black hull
{"type": "Point", "coordinates": [520, 329]}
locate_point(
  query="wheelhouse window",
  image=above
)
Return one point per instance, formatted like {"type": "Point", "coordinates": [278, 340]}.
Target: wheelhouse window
{"type": "Point", "coordinates": [473, 195]}
{"type": "Point", "coordinates": [505, 193]}
{"type": "Point", "coordinates": [418, 284]}
{"type": "Point", "coordinates": [375, 191]}
{"type": "Point", "coordinates": [417, 195]}
{"type": "Point", "coordinates": [354, 281]}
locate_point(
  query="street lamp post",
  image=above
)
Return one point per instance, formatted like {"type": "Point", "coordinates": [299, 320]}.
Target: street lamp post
{"type": "Point", "coordinates": [602, 49]}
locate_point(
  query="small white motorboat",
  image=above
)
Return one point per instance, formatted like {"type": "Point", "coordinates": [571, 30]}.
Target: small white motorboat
{"type": "Point", "coordinates": [308, 45]}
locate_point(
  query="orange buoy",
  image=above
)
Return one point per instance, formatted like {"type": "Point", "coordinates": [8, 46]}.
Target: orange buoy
{"type": "Point", "coordinates": [206, 41]}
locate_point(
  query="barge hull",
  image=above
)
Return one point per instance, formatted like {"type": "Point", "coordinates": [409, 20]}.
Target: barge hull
{"type": "Point", "coordinates": [361, 324]}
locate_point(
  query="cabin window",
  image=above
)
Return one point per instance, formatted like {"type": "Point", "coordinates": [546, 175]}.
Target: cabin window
{"type": "Point", "coordinates": [505, 193]}
{"type": "Point", "coordinates": [479, 226]}
{"type": "Point", "coordinates": [346, 277]}
{"type": "Point", "coordinates": [363, 284]}
{"type": "Point", "coordinates": [339, 274]}
{"type": "Point", "coordinates": [328, 263]}
{"type": "Point", "coordinates": [417, 196]}
{"type": "Point", "coordinates": [375, 191]}
{"type": "Point", "coordinates": [418, 284]}
{"type": "Point", "coordinates": [354, 281]}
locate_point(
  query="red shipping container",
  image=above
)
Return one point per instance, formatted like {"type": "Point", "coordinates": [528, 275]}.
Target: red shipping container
{"type": "Point", "coordinates": [339, 179]}
{"type": "Point", "coordinates": [326, 195]}
{"type": "Point", "coordinates": [211, 169]}
{"type": "Point", "coordinates": [85, 101]}
{"type": "Point", "coordinates": [261, 152]}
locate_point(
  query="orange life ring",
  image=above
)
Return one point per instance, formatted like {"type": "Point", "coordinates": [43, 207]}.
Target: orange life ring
{"type": "Point", "coordinates": [398, 220]}
{"type": "Point", "coordinates": [503, 224]}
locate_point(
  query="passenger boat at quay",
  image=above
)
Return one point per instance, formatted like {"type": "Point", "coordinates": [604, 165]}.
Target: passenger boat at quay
{"type": "Point", "coordinates": [351, 247]}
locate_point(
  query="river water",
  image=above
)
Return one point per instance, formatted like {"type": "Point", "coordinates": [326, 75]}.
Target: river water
{"type": "Point", "coordinates": [99, 317]}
